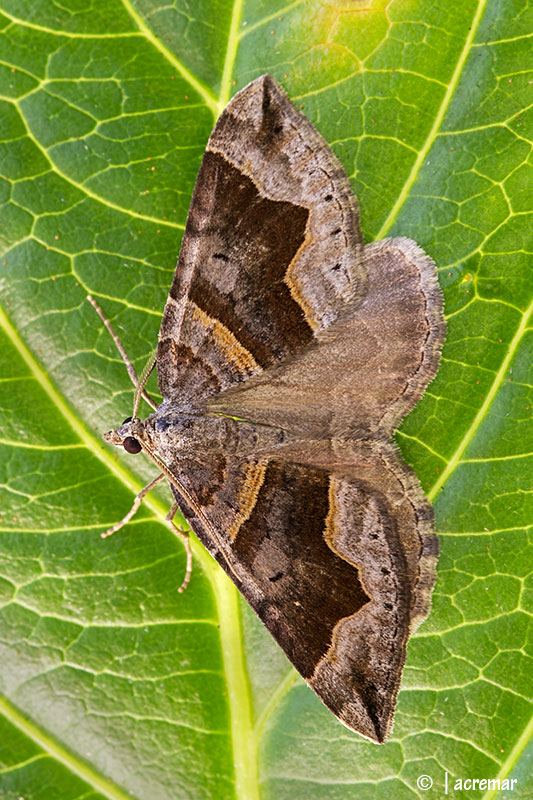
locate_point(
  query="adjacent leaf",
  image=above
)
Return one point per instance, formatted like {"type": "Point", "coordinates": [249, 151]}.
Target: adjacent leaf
{"type": "Point", "coordinates": [113, 684]}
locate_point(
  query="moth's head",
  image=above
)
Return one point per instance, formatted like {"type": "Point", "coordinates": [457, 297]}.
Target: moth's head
{"type": "Point", "coordinates": [127, 436]}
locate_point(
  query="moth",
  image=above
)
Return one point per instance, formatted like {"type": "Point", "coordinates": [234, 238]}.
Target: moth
{"type": "Point", "coordinates": [288, 353]}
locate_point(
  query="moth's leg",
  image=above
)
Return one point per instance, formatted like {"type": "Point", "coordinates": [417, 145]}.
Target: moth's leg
{"type": "Point", "coordinates": [129, 366]}
{"type": "Point", "coordinates": [136, 503]}
{"type": "Point", "coordinates": [186, 543]}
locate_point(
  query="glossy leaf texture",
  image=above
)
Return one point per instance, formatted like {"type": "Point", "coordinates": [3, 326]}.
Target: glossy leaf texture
{"type": "Point", "coordinates": [113, 684]}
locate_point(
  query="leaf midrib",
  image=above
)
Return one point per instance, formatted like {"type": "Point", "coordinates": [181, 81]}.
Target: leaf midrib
{"type": "Point", "coordinates": [244, 742]}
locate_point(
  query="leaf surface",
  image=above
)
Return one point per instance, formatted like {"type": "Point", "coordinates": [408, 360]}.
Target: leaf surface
{"type": "Point", "coordinates": [114, 685]}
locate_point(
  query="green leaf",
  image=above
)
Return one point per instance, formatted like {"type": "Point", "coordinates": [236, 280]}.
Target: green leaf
{"type": "Point", "coordinates": [113, 684]}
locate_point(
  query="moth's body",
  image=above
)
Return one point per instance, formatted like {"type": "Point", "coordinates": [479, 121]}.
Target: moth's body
{"type": "Point", "coordinates": [194, 431]}
{"type": "Point", "coordinates": [197, 432]}
{"type": "Point", "coordinates": [288, 353]}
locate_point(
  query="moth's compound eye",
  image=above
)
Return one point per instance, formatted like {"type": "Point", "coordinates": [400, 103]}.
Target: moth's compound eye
{"type": "Point", "coordinates": [128, 419]}
{"type": "Point", "coordinates": [131, 445]}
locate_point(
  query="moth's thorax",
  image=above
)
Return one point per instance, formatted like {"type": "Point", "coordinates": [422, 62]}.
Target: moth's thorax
{"type": "Point", "coordinates": [195, 431]}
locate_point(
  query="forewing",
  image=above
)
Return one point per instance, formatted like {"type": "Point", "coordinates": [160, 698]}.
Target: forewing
{"type": "Point", "coordinates": [333, 554]}
{"type": "Point", "coordinates": [270, 251]}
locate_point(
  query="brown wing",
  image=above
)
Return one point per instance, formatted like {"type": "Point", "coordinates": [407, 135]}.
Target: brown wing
{"type": "Point", "coordinates": [323, 552]}
{"type": "Point", "coordinates": [277, 314]}
{"type": "Point", "coordinates": [370, 367]}
{"type": "Point", "coordinates": [367, 370]}
{"type": "Point", "coordinates": [269, 254]}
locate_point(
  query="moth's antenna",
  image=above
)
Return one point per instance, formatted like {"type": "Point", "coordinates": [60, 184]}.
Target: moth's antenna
{"type": "Point", "coordinates": [129, 365]}
{"type": "Point", "coordinates": [145, 374]}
